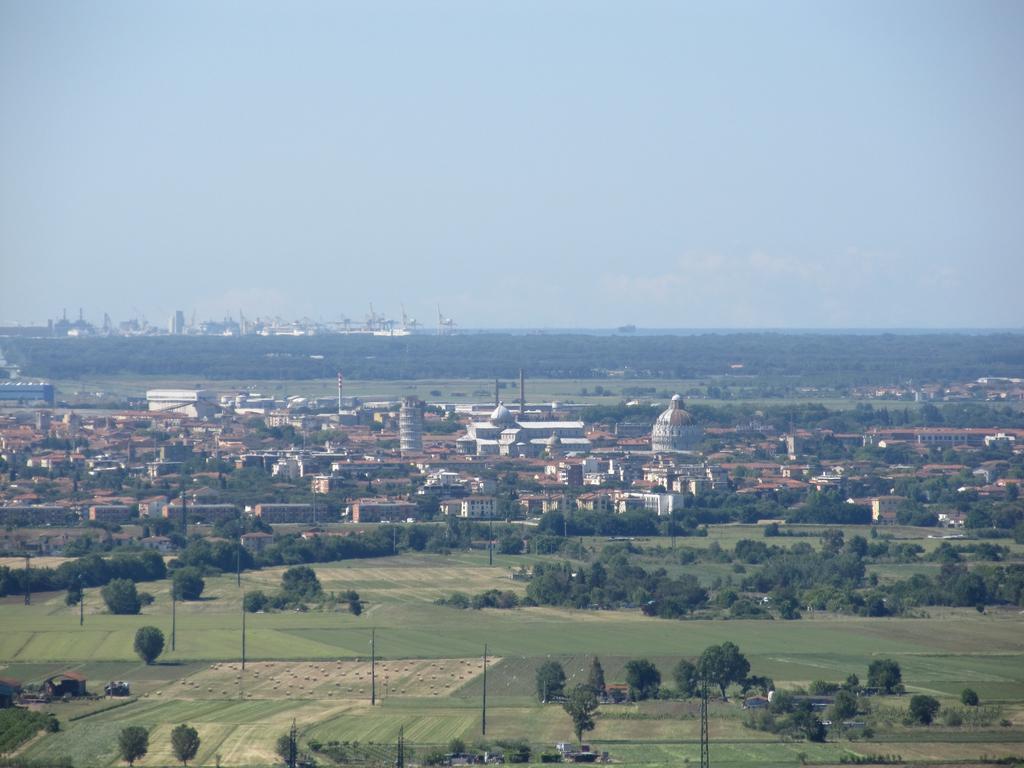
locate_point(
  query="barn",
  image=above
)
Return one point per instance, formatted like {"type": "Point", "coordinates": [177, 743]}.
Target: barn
{"type": "Point", "coordinates": [65, 684]}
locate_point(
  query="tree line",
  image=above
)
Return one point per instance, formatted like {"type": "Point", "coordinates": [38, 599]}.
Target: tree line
{"type": "Point", "coordinates": [846, 359]}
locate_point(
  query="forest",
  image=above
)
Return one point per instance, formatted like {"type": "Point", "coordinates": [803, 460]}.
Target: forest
{"type": "Point", "coordinates": [853, 359]}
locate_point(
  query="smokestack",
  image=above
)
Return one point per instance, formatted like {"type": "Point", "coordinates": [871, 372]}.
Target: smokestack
{"type": "Point", "coordinates": [522, 392]}
{"type": "Point", "coordinates": [340, 381]}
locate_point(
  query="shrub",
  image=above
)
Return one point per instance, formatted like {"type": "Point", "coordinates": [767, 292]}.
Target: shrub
{"type": "Point", "coordinates": [254, 602]}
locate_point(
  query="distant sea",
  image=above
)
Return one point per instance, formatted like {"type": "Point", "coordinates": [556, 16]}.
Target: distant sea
{"type": "Point", "coordinates": [735, 331]}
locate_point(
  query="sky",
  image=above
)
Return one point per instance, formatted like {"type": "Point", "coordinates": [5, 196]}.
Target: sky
{"type": "Point", "coordinates": [814, 164]}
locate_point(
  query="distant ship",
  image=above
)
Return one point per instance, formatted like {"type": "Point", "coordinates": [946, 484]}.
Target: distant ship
{"type": "Point", "coordinates": [626, 329]}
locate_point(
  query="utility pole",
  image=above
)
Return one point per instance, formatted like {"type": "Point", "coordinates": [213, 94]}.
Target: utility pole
{"type": "Point", "coordinates": [184, 515]}
{"type": "Point", "coordinates": [373, 667]}
{"type": "Point", "coordinates": [28, 581]}
{"type": "Point", "coordinates": [238, 561]}
{"type": "Point", "coordinates": [490, 540]}
{"type": "Point", "coordinates": [81, 600]}
{"type": "Point", "coordinates": [400, 756]}
{"type": "Point", "coordinates": [293, 746]}
{"type": "Point", "coordinates": [483, 718]}
{"type": "Point", "coordinates": [243, 631]}
{"type": "Point", "coordinates": [705, 756]}
{"type": "Point", "coordinates": [174, 606]}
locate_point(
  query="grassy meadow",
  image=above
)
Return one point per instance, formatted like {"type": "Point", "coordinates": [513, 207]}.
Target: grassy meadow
{"type": "Point", "coordinates": [313, 667]}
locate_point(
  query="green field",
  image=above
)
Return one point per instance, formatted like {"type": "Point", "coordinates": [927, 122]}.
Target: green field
{"type": "Point", "coordinates": [239, 715]}
{"type": "Point", "coordinates": [96, 388]}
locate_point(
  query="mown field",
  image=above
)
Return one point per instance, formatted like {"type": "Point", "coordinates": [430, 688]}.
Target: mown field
{"type": "Point", "coordinates": [431, 663]}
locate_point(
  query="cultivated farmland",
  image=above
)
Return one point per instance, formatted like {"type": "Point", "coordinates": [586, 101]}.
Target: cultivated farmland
{"type": "Point", "coordinates": [313, 667]}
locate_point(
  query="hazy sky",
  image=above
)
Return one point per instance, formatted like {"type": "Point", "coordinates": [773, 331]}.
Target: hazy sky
{"type": "Point", "coordinates": [670, 164]}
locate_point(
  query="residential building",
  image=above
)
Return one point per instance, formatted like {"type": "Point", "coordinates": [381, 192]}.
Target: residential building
{"type": "Point", "coordinates": [376, 510]}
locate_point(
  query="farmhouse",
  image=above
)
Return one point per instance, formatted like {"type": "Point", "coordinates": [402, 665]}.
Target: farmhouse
{"type": "Point", "coordinates": [257, 540]}
{"type": "Point", "coordinates": [66, 684]}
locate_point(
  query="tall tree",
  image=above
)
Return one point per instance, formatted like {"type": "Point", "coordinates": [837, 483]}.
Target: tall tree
{"type": "Point", "coordinates": [580, 705]}
{"type": "Point", "coordinates": [596, 677]}
{"type": "Point", "coordinates": [188, 583]}
{"type": "Point", "coordinates": [133, 743]}
{"type": "Point", "coordinates": [185, 742]}
{"type": "Point", "coordinates": [885, 674]}
{"type": "Point", "coordinates": [149, 643]}
{"type": "Point", "coordinates": [922, 709]}
{"type": "Point", "coordinates": [301, 582]}
{"type": "Point", "coordinates": [687, 679]}
{"type": "Point", "coordinates": [550, 680]}
{"type": "Point", "coordinates": [643, 679]}
{"type": "Point", "coordinates": [722, 665]}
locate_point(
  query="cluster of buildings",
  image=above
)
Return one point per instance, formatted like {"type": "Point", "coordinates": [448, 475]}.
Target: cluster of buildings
{"type": "Point", "coordinates": [179, 325]}
{"type": "Point", "coordinates": [400, 460]}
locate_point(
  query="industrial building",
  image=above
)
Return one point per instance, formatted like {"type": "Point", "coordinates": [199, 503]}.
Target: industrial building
{"type": "Point", "coordinates": [176, 325]}
{"type": "Point", "coordinates": [195, 403]}
{"type": "Point", "coordinates": [26, 392]}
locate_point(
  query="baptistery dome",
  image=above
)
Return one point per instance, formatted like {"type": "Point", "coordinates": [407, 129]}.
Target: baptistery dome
{"type": "Point", "coordinates": [675, 429]}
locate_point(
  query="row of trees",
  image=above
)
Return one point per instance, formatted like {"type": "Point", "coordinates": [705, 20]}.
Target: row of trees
{"type": "Point", "coordinates": [720, 665]}
{"type": "Point", "coordinates": [133, 743]}
{"type": "Point", "coordinates": [91, 570]}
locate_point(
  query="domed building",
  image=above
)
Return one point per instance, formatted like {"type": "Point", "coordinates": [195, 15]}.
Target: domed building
{"type": "Point", "coordinates": [675, 430]}
{"type": "Point", "coordinates": [508, 434]}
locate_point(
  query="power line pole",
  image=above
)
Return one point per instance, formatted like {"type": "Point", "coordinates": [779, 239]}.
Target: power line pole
{"type": "Point", "coordinates": [705, 756]}
{"type": "Point", "coordinates": [373, 667]}
{"type": "Point", "coordinates": [174, 612]}
{"type": "Point", "coordinates": [483, 718]}
{"type": "Point", "coordinates": [28, 581]}
{"type": "Point", "coordinates": [238, 560]}
{"type": "Point", "coordinates": [400, 757]}
{"type": "Point", "coordinates": [490, 540]}
{"type": "Point", "coordinates": [293, 746]}
{"type": "Point", "coordinates": [81, 600]}
{"type": "Point", "coordinates": [243, 632]}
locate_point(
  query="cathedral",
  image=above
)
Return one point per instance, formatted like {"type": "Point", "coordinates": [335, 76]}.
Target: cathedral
{"type": "Point", "coordinates": [505, 435]}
